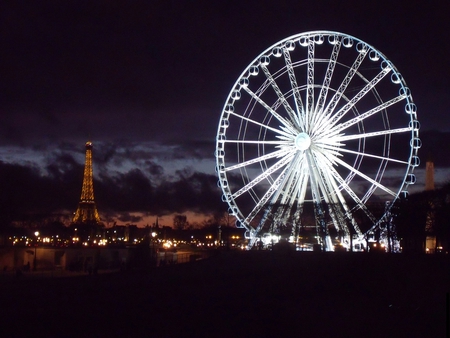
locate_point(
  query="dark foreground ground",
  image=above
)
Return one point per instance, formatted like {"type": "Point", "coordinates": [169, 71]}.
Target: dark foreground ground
{"type": "Point", "coordinates": [252, 294]}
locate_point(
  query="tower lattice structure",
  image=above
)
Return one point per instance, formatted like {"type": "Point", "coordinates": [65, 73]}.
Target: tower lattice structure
{"type": "Point", "coordinates": [87, 210]}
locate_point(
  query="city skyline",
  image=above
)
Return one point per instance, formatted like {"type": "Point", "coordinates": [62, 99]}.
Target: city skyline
{"type": "Point", "coordinates": [147, 82]}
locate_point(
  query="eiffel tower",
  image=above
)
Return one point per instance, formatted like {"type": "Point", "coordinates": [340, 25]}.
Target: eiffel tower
{"type": "Point", "coordinates": [87, 210]}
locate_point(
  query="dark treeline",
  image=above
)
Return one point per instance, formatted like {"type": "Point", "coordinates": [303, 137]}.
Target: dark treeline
{"type": "Point", "coordinates": [424, 214]}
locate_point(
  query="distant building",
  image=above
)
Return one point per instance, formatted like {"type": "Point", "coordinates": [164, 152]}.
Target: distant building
{"type": "Point", "coordinates": [429, 175]}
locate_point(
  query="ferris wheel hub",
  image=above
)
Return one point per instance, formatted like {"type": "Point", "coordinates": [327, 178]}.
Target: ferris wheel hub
{"type": "Point", "coordinates": [302, 141]}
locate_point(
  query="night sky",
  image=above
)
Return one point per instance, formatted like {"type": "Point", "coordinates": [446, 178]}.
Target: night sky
{"type": "Point", "coordinates": [146, 81]}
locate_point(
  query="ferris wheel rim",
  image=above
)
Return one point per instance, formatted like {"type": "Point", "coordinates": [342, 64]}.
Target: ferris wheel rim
{"type": "Point", "coordinates": [286, 129]}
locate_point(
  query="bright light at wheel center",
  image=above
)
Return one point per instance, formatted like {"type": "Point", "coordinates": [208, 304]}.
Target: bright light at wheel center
{"type": "Point", "coordinates": [302, 141]}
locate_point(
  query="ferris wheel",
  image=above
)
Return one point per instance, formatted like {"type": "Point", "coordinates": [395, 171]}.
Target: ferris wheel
{"type": "Point", "coordinates": [316, 132]}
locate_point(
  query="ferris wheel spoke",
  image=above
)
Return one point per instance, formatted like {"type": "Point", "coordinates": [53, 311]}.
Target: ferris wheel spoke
{"type": "Point", "coordinates": [303, 184]}
{"type": "Point", "coordinates": [288, 188]}
{"type": "Point", "coordinates": [344, 212]}
{"type": "Point", "coordinates": [339, 180]}
{"type": "Point", "coordinates": [289, 172]}
{"type": "Point", "coordinates": [263, 201]}
{"type": "Point", "coordinates": [334, 209]}
{"type": "Point", "coordinates": [297, 189]}
{"type": "Point", "coordinates": [298, 197]}
{"type": "Point", "coordinates": [383, 158]}
{"type": "Point", "coordinates": [278, 143]}
{"type": "Point", "coordinates": [345, 82]}
{"type": "Point", "coordinates": [289, 110]}
{"type": "Point", "coordinates": [367, 88]}
{"type": "Point", "coordinates": [314, 177]}
{"type": "Point", "coordinates": [326, 82]}
{"type": "Point", "coordinates": [263, 175]}
{"type": "Point", "coordinates": [284, 122]}
{"type": "Point", "coordinates": [293, 81]}
{"type": "Point", "coordinates": [340, 92]}
{"type": "Point", "coordinates": [335, 179]}
{"type": "Point", "coordinates": [367, 114]}
{"type": "Point", "coordinates": [321, 227]}
{"type": "Point", "coordinates": [277, 153]}
{"type": "Point", "coordinates": [323, 189]}
{"type": "Point", "coordinates": [274, 197]}
{"type": "Point", "coordinates": [367, 178]}
{"type": "Point", "coordinates": [310, 84]}
{"type": "Point", "coordinates": [275, 130]}
{"type": "Point", "coordinates": [323, 170]}
{"type": "Point", "coordinates": [352, 194]}
{"type": "Point", "coordinates": [375, 133]}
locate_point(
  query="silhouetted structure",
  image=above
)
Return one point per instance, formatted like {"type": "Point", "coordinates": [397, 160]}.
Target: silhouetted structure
{"type": "Point", "coordinates": [87, 210]}
{"type": "Point", "coordinates": [429, 175]}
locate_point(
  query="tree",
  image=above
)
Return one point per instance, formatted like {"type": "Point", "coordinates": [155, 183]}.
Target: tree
{"type": "Point", "coordinates": [411, 221]}
{"type": "Point", "coordinates": [180, 222]}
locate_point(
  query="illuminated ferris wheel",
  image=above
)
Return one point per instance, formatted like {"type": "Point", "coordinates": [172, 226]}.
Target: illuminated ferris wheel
{"type": "Point", "coordinates": [317, 129]}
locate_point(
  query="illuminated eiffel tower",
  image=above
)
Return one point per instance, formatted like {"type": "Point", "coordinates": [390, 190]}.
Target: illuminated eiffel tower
{"type": "Point", "coordinates": [87, 210]}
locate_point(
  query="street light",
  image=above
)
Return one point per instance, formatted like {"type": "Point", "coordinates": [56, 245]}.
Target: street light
{"type": "Point", "coordinates": [36, 234]}
{"type": "Point", "coordinates": [154, 258]}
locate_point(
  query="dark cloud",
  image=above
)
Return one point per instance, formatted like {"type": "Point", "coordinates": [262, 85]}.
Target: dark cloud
{"type": "Point", "coordinates": [131, 191]}
{"type": "Point", "coordinates": [128, 218]}
{"type": "Point", "coordinates": [25, 190]}
{"type": "Point", "coordinates": [154, 169]}
{"type": "Point", "coordinates": [195, 192]}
